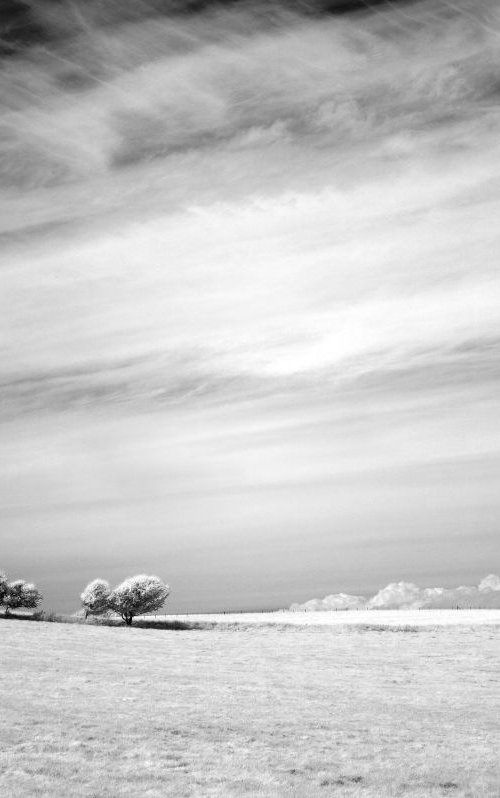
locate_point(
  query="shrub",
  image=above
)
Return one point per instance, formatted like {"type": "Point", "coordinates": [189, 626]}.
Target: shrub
{"type": "Point", "coordinates": [137, 596]}
{"type": "Point", "coordinates": [95, 597]}
{"type": "Point", "coordinates": [47, 615]}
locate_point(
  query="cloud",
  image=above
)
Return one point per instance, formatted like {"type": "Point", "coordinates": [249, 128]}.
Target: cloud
{"type": "Point", "coordinates": [253, 300]}
{"type": "Point", "coordinates": [338, 601]}
{"type": "Point", "coordinates": [105, 95]}
{"type": "Point", "coordinates": [408, 596]}
{"type": "Point", "coordinates": [489, 583]}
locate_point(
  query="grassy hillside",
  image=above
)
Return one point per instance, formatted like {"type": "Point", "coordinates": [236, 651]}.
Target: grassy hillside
{"type": "Point", "coordinates": [107, 712]}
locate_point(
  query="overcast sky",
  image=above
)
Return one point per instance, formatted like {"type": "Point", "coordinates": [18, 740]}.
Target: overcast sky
{"type": "Point", "coordinates": [250, 299]}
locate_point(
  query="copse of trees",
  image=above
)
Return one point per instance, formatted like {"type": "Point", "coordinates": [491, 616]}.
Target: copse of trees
{"type": "Point", "coordinates": [136, 595]}
{"type": "Point", "coordinates": [18, 594]}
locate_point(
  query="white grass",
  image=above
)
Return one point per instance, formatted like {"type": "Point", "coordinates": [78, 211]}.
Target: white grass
{"type": "Point", "coordinates": [264, 710]}
{"type": "Point", "coordinates": [390, 618]}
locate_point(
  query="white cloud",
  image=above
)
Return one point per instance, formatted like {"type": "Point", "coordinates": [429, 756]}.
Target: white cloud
{"type": "Point", "coordinates": [408, 596]}
{"type": "Point", "coordinates": [490, 583]}
{"type": "Point", "coordinates": [338, 601]}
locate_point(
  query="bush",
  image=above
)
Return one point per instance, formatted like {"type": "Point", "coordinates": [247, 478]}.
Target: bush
{"type": "Point", "coordinates": [50, 616]}
{"type": "Point", "coordinates": [137, 596]}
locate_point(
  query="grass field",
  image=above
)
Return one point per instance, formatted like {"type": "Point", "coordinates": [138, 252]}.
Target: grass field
{"type": "Point", "coordinates": [263, 710]}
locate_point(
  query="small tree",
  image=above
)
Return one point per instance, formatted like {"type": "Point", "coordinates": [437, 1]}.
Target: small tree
{"type": "Point", "coordinates": [22, 594]}
{"type": "Point", "coordinates": [95, 597]}
{"type": "Point", "coordinates": [3, 588]}
{"type": "Point", "coordinates": [137, 596]}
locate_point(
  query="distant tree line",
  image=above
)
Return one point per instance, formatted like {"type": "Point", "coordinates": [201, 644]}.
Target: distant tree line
{"type": "Point", "coordinates": [136, 595]}
{"type": "Point", "coordinates": [18, 594]}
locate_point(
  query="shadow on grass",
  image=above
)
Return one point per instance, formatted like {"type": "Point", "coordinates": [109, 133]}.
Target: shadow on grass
{"type": "Point", "coordinates": [19, 616]}
{"type": "Point", "coordinates": [140, 623]}
{"type": "Point", "coordinates": [182, 625]}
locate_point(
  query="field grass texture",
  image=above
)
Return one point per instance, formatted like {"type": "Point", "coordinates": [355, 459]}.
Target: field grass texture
{"type": "Point", "coordinates": [105, 712]}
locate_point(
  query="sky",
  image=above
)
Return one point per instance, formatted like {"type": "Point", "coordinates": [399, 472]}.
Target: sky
{"type": "Point", "coordinates": [249, 297]}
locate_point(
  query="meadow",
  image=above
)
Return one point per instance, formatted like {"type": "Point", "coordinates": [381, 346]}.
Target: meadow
{"type": "Point", "coordinates": [264, 709]}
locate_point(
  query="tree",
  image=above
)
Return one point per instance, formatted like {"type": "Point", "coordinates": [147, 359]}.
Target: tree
{"type": "Point", "coordinates": [95, 597]}
{"type": "Point", "coordinates": [3, 588]}
{"type": "Point", "coordinates": [137, 596]}
{"type": "Point", "coordinates": [22, 594]}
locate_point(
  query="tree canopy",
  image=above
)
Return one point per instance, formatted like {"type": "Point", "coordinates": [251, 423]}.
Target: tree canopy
{"type": "Point", "coordinates": [138, 595]}
{"type": "Point", "coordinates": [95, 597]}
{"type": "Point", "coordinates": [3, 587]}
{"type": "Point", "coordinates": [21, 594]}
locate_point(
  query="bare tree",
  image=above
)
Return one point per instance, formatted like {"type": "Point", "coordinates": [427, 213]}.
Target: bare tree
{"type": "Point", "coordinates": [95, 597]}
{"type": "Point", "coordinates": [138, 595]}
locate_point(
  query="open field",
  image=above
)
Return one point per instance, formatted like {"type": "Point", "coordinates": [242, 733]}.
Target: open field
{"type": "Point", "coordinates": [263, 710]}
{"type": "Point", "coordinates": [369, 618]}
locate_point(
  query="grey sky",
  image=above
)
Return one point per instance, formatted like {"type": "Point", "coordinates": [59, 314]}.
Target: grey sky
{"type": "Point", "coordinates": [250, 303]}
